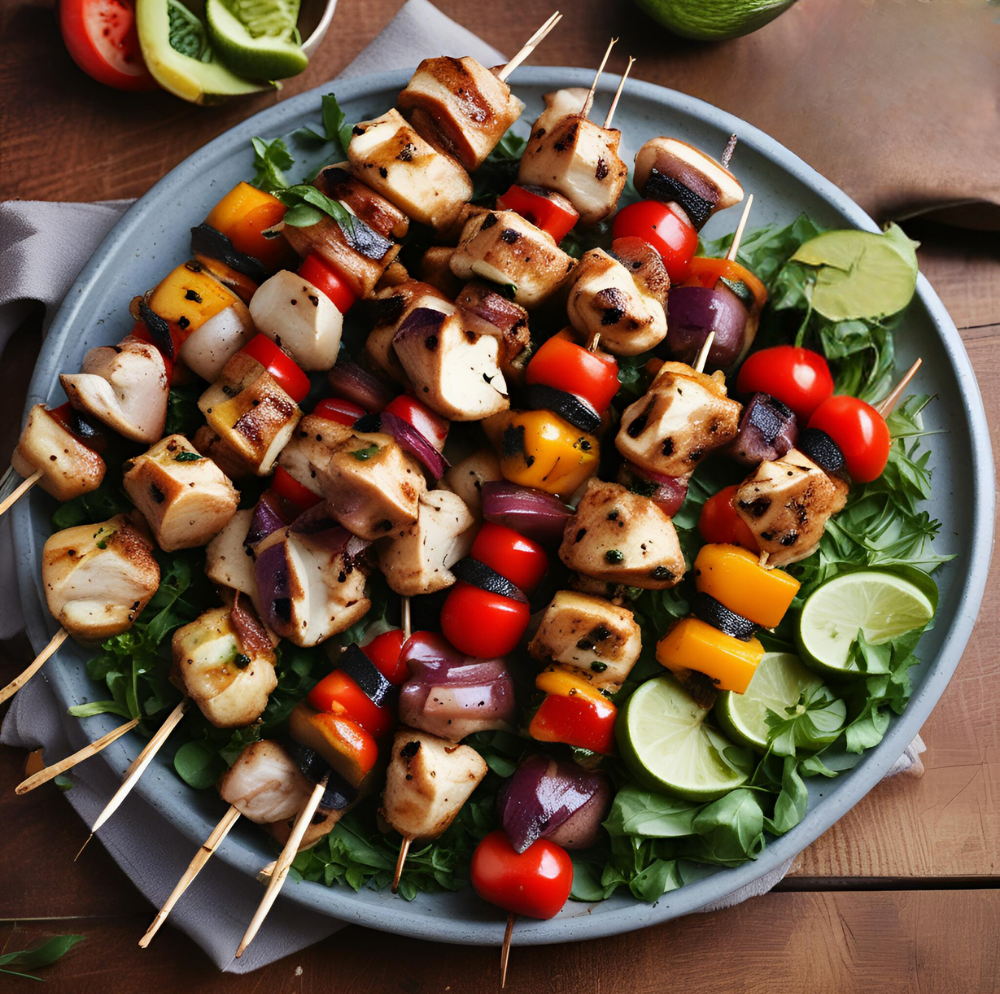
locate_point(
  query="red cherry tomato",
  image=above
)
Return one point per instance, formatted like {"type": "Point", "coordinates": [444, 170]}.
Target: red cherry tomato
{"type": "Point", "coordinates": [656, 224]}
{"type": "Point", "coordinates": [430, 424]}
{"type": "Point", "coordinates": [535, 883]}
{"type": "Point", "coordinates": [859, 431]}
{"type": "Point", "coordinates": [575, 721]}
{"type": "Point", "coordinates": [553, 216]}
{"type": "Point", "coordinates": [799, 378]}
{"type": "Point", "coordinates": [520, 560]}
{"type": "Point", "coordinates": [341, 411]}
{"type": "Point", "coordinates": [719, 523]}
{"type": "Point", "coordinates": [102, 39]}
{"type": "Point", "coordinates": [483, 624]}
{"type": "Point", "coordinates": [339, 688]}
{"type": "Point", "coordinates": [282, 367]}
{"type": "Point", "coordinates": [324, 277]}
{"type": "Point", "coordinates": [289, 489]}
{"type": "Point", "coordinates": [385, 652]}
{"type": "Point", "coordinates": [564, 365]}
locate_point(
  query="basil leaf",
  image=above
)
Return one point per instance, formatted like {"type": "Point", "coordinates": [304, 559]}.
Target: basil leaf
{"type": "Point", "coordinates": [791, 803]}
{"type": "Point", "coordinates": [270, 160]}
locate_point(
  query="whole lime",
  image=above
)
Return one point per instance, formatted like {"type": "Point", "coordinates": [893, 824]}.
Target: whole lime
{"type": "Point", "coordinates": [713, 20]}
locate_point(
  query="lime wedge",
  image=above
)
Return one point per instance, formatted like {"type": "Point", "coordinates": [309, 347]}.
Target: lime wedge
{"type": "Point", "coordinates": [778, 683]}
{"type": "Point", "coordinates": [713, 20]}
{"type": "Point", "coordinates": [860, 274]}
{"type": "Point", "coordinates": [256, 38]}
{"type": "Point", "coordinates": [883, 605]}
{"type": "Point", "coordinates": [667, 746]}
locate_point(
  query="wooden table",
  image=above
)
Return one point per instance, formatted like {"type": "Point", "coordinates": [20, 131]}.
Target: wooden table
{"type": "Point", "coordinates": [901, 895]}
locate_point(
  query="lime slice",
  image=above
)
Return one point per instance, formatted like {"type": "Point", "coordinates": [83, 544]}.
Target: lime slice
{"type": "Point", "coordinates": [778, 683]}
{"type": "Point", "coordinates": [713, 20]}
{"type": "Point", "coordinates": [255, 38]}
{"type": "Point", "coordinates": [667, 745]}
{"type": "Point", "coordinates": [883, 605]}
{"type": "Point", "coordinates": [860, 274]}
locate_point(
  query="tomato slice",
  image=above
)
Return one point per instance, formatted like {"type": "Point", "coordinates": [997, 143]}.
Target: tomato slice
{"type": "Point", "coordinates": [859, 431]}
{"type": "Point", "coordinates": [564, 365]}
{"type": "Point", "coordinates": [324, 277]}
{"type": "Point", "coordinates": [430, 424]}
{"type": "Point", "coordinates": [385, 652]}
{"type": "Point", "coordinates": [513, 556]}
{"type": "Point", "coordinates": [535, 883]}
{"type": "Point", "coordinates": [719, 524]}
{"type": "Point", "coordinates": [556, 216]}
{"type": "Point", "coordinates": [483, 624]}
{"type": "Point", "coordinates": [656, 224]}
{"type": "Point", "coordinates": [102, 40]}
{"type": "Point", "coordinates": [341, 411]}
{"type": "Point", "coordinates": [282, 367]}
{"type": "Point", "coordinates": [340, 688]}
{"type": "Point", "coordinates": [289, 489]}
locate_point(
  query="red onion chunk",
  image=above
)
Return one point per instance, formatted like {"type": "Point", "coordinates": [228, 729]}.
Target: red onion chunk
{"type": "Point", "coordinates": [544, 794]}
{"type": "Point", "coordinates": [532, 513]}
{"type": "Point", "coordinates": [274, 587]}
{"type": "Point", "coordinates": [668, 492]}
{"type": "Point", "coordinates": [695, 311]}
{"type": "Point", "coordinates": [267, 518]}
{"type": "Point", "coordinates": [420, 321]}
{"type": "Point", "coordinates": [350, 382]}
{"type": "Point", "coordinates": [768, 431]}
{"type": "Point", "coordinates": [412, 441]}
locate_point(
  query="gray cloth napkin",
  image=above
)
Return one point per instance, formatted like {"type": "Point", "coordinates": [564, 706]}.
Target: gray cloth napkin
{"type": "Point", "coordinates": [43, 247]}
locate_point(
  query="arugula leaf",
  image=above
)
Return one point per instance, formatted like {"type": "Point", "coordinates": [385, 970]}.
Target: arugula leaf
{"type": "Point", "coordinates": [270, 160]}
{"type": "Point", "coordinates": [183, 415]}
{"type": "Point", "coordinates": [41, 956]}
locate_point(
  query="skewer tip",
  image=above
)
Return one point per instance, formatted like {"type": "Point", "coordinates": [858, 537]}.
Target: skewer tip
{"type": "Point", "coordinates": [505, 950]}
{"type": "Point", "coordinates": [404, 850]}
{"type": "Point", "coordinates": [84, 846]}
{"type": "Point", "coordinates": [589, 102]}
{"type": "Point", "coordinates": [727, 153]}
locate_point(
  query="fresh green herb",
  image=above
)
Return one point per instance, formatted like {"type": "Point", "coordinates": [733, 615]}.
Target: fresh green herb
{"type": "Point", "coordinates": [495, 176]}
{"type": "Point", "coordinates": [363, 455]}
{"type": "Point", "coordinates": [614, 556]}
{"type": "Point", "coordinates": [41, 956]}
{"type": "Point", "coordinates": [188, 457]}
{"type": "Point", "coordinates": [240, 661]}
{"type": "Point", "coordinates": [270, 160]}
{"type": "Point", "coordinates": [87, 509]}
{"type": "Point", "coordinates": [183, 416]}
{"type": "Point", "coordinates": [63, 782]}
{"type": "Point", "coordinates": [336, 130]}
{"type": "Point", "coordinates": [307, 206]}
{"type": "Point", "coordinates": [808, 725]}
{"type": "Point", "coordinates": [508, 290]}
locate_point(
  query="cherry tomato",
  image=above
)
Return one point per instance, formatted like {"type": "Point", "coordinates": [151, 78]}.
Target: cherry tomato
{"type": "Point", "coordinates": [859, 431]}
{"type": "Point", "coordinates": [799, 378]}
{"type": "Point", "coordinates": [719, 523]}
{"type": "Point", "coordinates": [576, 721]}
{"type": "Point", "coordinates": [520, 560]}
{"type": "Point", "coordinates": [483, 624]}
{"type": "Point", "coordinates": [385, 653]}
{"type": "Point", "coordinates": [282, 367]}
{"type": "Point", "coordinates": [289, 489]}
{"type": "Point", "coordinates": [535, 883]}
{"type": "Point", "coordinates": [430, 424]}
{"type": "Point", "coordinates": [81, 429]}
{"type": "Point", "coordinates": [557, 217]}
{"type": "Point", "coordinates": [324, 277]}
{"type": "Point", "coordinates": [102, 39]}
{"type": "Point", "coordinates": [564, 365]}
{"type": "Point", "coordinates": [339, 688]}
{"type": "Point", "coordinates": [342, 411]}
{"type": "Point", "coordinates": [673, 237]}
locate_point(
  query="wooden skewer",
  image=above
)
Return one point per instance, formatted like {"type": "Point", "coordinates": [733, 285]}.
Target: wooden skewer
{"type": "Point", "coordinates": [740, 228]}
{"type": "Point", "coordinates": [699, 366]}
{"type": "Point", "coordinates": [589, 102]}
{"type": "Point", "coordinates": [20, 491]}
{"type": "Point", "coordinates": [404, 850]}
{"type": "Point", "coordinates": [505, 950]}
{"type": "Point", "coordinates": [21, 679]}
{"type": "Point", "coordinates": [764, 556]}
{"type": "Point", "coordinates": [204, 854]}
{"type": "Point", "coordinates": [407, 622]}
{"type": "Point", "coordinates": [885, 408]}
{"type": "Point", "coordinates": [618, 93]}
{"type": "Point", "coordinates": [727, 153]}
{"type": "Point", "coordinates": [530, 45]}
{"type": "Point", "coordinates": [284, 864]}
{"type": "Point", "coordinates": [45, 775]}
{"type": "Point", "coordinates": [137, 769]}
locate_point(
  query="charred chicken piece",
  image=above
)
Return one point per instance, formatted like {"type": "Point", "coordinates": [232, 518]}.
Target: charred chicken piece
{"type": "Point", "coordinates": [467, 477]}
{"type": "Point", "coordinates": [227, 561]}
{"type": "Point", "coordinates": [484, 311]}
{"type": "Point", "coordinates": [265, 783]}
{"type": "Point", "coordinates": [435, 269]}
{"type": "Point", "coordinates": [381, 215]}
{"type": "Point", "coordinates": [68, 466]}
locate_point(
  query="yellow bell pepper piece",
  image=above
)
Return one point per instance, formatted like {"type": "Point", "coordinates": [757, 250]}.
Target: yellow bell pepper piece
{"type": "Point", "coordinates": [241, 201]}
{"type": "Point", "coordinates": [694, 645]}
{"type": "Point", "coordinates": [564, 683]}
{"type": "Point", "coordinates": [539, 449]}
{"type": "Point", "coordinates": [189, 297]}
{"type": "Point", "coordinates": [735, 578]}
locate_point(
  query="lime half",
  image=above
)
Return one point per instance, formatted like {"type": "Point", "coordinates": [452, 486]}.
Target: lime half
{"type": "Point", "coordinates": [778, 683]}
{"type": "Point", "coordinates": [883, 605]}
{"type": "Point", "coordinates": [256, 38]}
{"type": "Point", "coordinates": [667, 746]}
{"type": "Point", "coordinates": [713, 20]}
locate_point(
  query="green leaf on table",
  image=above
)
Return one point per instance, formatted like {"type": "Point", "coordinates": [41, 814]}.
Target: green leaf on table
{"type": "Point", "coordinates": [41, 956]}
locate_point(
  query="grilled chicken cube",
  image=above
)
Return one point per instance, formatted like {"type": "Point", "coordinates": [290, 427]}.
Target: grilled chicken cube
{"type": "Point", "coordinates": [486, 312]}
{"type": "Point", "coordinates": [435, 269]}
{"type": "Point", "coordinates": [228, 675]}
{"type": "Point", "coordinates": [381, 215]}
{"type": "Point", "coordinates": [504, 248]}
{"type": "Point", "coordinates": [467, 477]}
{"type": "Point", "coordinates": [418, 559]}
{"type": "Point", "coordinates": [645, 265]}
{"type": "Point", "coordinates": [682, 417]}
{"type": "Point", "coordinates": [388, 310]}
{"type": "Point", "coordinates": [123, 386]}
{"type": "Point", "coordinates": [98, 578]}
{"type": "Point", "coordinates": [453, 371]}
{"type": "Point", "coordinates": [389, 155]}
{"type": "Point", "coordinates": [227, 561]}
{"type": "Point", "coordinates": [591, 634]}
{"type": "Point", "coordinates": [183, 495]}
{"type": "Point", "coordinates": [395, 275]}
{"type": "Point", "coordinates": [579, 159]}
{"type": "Point", "coordinates": [787, 503]}
{"type": "Point", "coordinates": [265, 784]}
{"type": "Point", "coordinates": [672, 171]}
{"type": "Point", "coordinates": [299, 318]}
{"type": "Point", "coordinates": [69, 468]}
{"type": "Point", "coordinates": [310, 579]}
{"type": "Point", "coordinates": [620, 537]}
{"type": "Point", "coordinates": [247, 409]}
{"type": "Point", "coordinates": [461, 106]}
{"type": "Point", "coordinates": [427, 782]}
{"type": "Point", "coordinates": [559, 104]}
{"type": "Point", "coordinates": [604, 300]}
